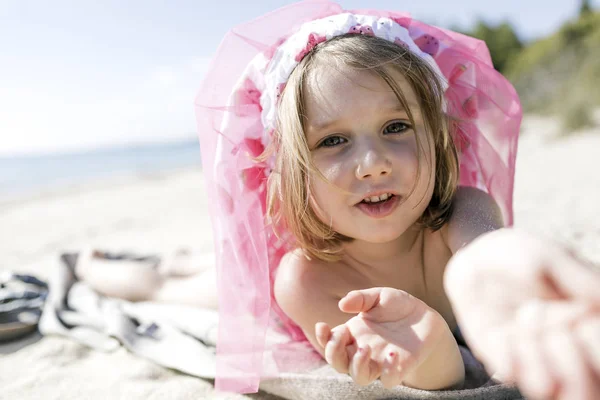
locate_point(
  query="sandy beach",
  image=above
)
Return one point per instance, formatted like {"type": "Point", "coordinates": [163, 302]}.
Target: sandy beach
{"type": "Point", "coordinates": [557, 195]}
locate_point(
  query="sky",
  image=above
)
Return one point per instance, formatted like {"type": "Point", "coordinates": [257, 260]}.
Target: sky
{"type": "Point", "coordinates": [82, 74]}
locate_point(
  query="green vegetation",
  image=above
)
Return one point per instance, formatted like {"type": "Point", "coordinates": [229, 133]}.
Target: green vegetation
{"type": "Point", "coordinates": [502, 40]}
{"type": "Point", "coordinates": [559, 74]}
{"type": "Point", "coordinates": [576, 116]}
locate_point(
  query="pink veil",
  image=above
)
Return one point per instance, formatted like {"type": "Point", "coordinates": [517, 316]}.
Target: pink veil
{"type": "Point", "coordinates": [247, 250]}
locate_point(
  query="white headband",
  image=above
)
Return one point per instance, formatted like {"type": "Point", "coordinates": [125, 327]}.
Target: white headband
{"type": "Point", "coordinates": [290, 53]}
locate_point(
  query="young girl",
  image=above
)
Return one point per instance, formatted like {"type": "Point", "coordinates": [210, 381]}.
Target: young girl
{"type": "Point", "coordinates": [348, 156]}
{"type": "Point", "coordinates": [332, 143]}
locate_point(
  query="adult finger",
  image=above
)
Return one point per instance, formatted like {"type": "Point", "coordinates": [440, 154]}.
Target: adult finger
{"type": "Point", "coordinates": [496, 350]}
{"type": "Point", "coordinates": [568, 364]}
{"type": "Point", "coordinates": [335, 350]}
{"type": "Point", "coordinates": [534, 377]}
{"type": "Point", "coordinates": [573, 278]}
{"type": "Point", "coordinates": [538, 316]}
{"type": "Point", "coordinates": [588, 334]}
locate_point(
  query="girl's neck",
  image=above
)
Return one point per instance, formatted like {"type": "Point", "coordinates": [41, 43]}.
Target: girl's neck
{"type": "Point", "coordinates": [361, 254]}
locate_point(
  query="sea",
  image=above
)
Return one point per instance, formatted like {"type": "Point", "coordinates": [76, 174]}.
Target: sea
{"type": "Point", "coordinates": [24, 175]}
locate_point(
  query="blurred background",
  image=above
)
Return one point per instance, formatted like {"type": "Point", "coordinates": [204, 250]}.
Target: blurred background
{"type": "Point", "coordinates": [91, 90]}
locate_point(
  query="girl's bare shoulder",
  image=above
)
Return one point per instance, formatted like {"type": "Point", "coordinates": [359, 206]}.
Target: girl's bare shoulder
{"type": "Point", "coordinates": [311, 275]}
{"type": "Point", "coordinates": [307, 291]}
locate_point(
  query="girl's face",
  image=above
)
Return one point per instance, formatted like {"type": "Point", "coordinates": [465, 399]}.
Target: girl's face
{"type": "Point", "coordinates": [362, 141]}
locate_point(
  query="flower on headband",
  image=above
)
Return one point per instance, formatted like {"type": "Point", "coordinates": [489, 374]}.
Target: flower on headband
{"type": "Point", "coordinates": [402, 21]}
{"type": "Point", "coordinates": [362, 30]}
{"type": "Point", "coordinates": [401, 43]}
{"type": "Point", "coordinates": [428, 44]}
{"type": "Point", "coordinates": [280, 89]}
{"type": "Point", "coordinates": [313, 40]}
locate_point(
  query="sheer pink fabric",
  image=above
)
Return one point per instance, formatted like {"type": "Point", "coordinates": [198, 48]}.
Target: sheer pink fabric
{"type": "Point", "coordinates": [248, 252]}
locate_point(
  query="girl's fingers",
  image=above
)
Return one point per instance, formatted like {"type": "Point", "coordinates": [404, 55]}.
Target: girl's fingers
{"type": "Point", "coordinates": [322, 334]}
{"type": "Point", "coordinates": [360, 300]}
{"type": "Point", "coordinates": [499, 355]}
{"type": "Point", "coordinates": [362, 370]}
{"type": "Point", "coordinates": [391, 375]}
{"type": "Point", "coordinates": [335, 349]}
{"type": "Point", "coordinates": [380, 304]}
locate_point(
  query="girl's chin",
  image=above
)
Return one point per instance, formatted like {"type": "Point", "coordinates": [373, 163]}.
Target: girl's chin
{"type": "Point", "coordinates": [377, 237]}
{"type": "Point", "coordinates": [380, 239]}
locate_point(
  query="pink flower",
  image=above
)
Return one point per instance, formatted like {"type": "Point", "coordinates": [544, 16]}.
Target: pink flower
{"type": "Point", "coordinates": [362, 30]}
{"type": "Point", "coordinates": [355, 29]}
{"type": "Point", "coordinates": [247, 99]}
{"type": "Point", "coordinates": [401, 43]}
{"type": "Point", "coordinates": [461, 140]}
{"type": "Point", "coordinates": [366, 30]}
{"type": "Point", "coordinates": [253, 146]}
{"type": "Point", "coordinates": [280, 89]}
{"type": "Point", "coordinates": [313, 40]}
{"type": "Point", "coordinates": [470, 107]}
{"type": "Point", "coordinates": [402, 21]}
{"type": "Point", "coordinates": [428, 44]}
{"type": "Point", "coordinates": [253, 177]}
{"type": "Point", "coordinates": [456, 73]}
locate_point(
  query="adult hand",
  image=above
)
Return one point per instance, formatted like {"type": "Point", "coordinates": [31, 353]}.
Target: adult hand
{"type": "Point", "coordinates": [530, 311]}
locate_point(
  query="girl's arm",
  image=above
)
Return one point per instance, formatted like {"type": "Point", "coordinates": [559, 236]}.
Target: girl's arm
{"type": "Point", "coordinates": [306, 295]}
{"type": "Point", "coordinates": [426, 355]}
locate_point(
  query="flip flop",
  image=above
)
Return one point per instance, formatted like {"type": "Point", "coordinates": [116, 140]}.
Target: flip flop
{"type": "Point", "coordinates": [22, 298]}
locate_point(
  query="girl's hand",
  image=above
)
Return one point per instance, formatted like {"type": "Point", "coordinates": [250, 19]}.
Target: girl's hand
{"type": "Point", "coordinates": [531, 312]}
{"type": "Point", "coordinates": [393, 334]}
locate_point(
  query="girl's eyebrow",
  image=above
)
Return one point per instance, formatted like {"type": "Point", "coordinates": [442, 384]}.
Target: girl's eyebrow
{"type": "Point", "coordinates": [389, 108]}
{"type": "Point", "coordinates": [322, 125]}
{"type": "Point", "coordinates": [399, 108]}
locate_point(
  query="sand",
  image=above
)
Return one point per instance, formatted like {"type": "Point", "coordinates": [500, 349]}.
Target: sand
{"type": "Point", "coordinates": [557, 195]}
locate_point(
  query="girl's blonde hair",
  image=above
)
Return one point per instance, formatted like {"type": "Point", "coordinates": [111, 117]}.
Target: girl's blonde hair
{"type": "Point", "coordinates": [288, 202]}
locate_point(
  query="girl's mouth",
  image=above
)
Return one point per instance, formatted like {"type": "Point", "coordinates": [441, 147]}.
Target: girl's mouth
{"type": "Point", "coordinates": [379, 206]}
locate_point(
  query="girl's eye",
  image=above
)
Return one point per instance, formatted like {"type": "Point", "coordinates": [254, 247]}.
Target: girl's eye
{"type": "Point", "coordinates": [332, 141]}
{"type": "Point", "coordinates": [396, 127]}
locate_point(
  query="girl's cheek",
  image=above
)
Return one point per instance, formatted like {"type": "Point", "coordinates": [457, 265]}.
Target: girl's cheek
{"type": "Point", "coordinates": [318, 198]}
{"type": "Point", "coordinates": [330, 168]}
{"type": "Point", "coordinates": [333, 172]}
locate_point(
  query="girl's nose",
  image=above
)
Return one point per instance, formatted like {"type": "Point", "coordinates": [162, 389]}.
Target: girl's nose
{"type": "Point", "coordinates": [374, 164]}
